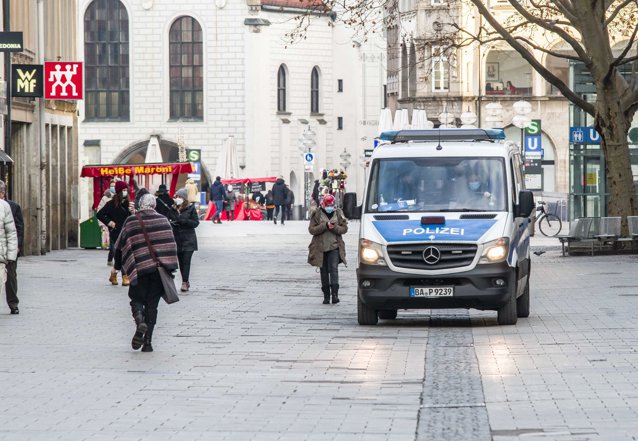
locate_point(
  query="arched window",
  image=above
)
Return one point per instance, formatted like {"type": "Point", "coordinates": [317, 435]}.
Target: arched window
{"type": "Point", "coordinates": [404, 70]}
{"type": "Point", "coordinates": [412, 71]}
{"type": "Point", "coordinates": [106, 57]}
{"type": "Point", "coordinates": [281, 89]}
{"type": "Point", "coordinates": [186, 67]}
{"type": "Point", "coordinates": [314, 90]}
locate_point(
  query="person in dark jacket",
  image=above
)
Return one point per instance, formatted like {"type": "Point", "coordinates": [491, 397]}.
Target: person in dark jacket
{"type": "Point", "coordinates": [132, 256]}
{"type": "Point", "coordinates": [184, 223]}
{"type": "Point", "coordinates": [290, 200]}
{"type": "Point", "coordinates": [11, 286]}
{"type": "Point", "coordinates": [113, 215]}
{"type": "Point", "coordinates": [163, 203]}
{"type": "Point", "coordinates": [218, 195]}
{"type": "Point", "coordinates": [279, 192]}
{"type": "Point", "coordinates": [270, 205]}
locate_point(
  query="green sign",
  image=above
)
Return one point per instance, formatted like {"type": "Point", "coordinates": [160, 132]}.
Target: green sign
{"type": "Point", "coordinates": [193, 155]}
{"type": "Point", "coordinates": [534, 128]}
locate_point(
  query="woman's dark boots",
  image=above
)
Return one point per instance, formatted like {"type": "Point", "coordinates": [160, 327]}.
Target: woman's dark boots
{"type": "Point", "coordinates": [140, 329]}
{"type": "Point", "coordinates": [335, 294]}
{"type": "Point", "coordinates": [148, 347]}
{"type": "Point", "coordinates": [326, 295]}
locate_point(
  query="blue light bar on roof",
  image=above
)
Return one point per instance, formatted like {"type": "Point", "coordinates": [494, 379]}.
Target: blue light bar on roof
{"type": "Point", "coordinates": [444, 135]}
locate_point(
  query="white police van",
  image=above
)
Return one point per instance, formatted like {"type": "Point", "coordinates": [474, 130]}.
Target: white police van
{"type": "Point", "coordinates": [444, 224]}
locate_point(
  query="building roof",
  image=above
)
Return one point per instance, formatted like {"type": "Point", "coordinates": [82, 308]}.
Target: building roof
{"type": "Point", "coordinates": [317, 5]}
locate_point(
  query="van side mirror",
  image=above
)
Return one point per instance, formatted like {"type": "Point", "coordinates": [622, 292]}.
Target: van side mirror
{"type": "Point", "coordinates": [525, 203]}
{"type": "Point", "coordinates": [350, 208]}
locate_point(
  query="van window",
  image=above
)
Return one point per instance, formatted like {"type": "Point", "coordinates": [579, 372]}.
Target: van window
{"type": "Point", "coordinates": [437, 184]}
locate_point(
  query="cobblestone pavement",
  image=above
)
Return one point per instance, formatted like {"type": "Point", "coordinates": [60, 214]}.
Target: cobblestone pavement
{"type": "Point", "coordinates": [252, 354]}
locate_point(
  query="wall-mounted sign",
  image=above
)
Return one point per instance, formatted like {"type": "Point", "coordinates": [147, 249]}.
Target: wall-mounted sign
{"type": "Point", "coordinates": [63, 80]}
{"type": "Point", "coordinates": [11, 42]}
{"type": "Point", "coordinates": [583, 135]}
{"type": "Point", "coordinates": [27, 80]}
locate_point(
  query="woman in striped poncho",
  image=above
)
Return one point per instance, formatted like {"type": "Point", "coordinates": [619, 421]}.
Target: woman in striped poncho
{"type": "Point", "coordinates": [132, 254]}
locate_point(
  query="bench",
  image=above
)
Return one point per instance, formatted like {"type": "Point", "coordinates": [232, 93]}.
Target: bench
{"type": "Point", "coordinates": [608, 231]}
{"type": "Point", "coordinates": [579, 230]}
{"type": "Point", "coordinates": [632, 222]}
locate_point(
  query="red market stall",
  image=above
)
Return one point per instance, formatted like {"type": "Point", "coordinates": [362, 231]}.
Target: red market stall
{"type": "Point", "coordinates": [242, 212]}
{"type": "Point", "coordinates": [103, 174]}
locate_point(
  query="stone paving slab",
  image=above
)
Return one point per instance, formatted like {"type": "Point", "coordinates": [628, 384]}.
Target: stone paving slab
{"type": "Point", "coordinates": [252, 354]}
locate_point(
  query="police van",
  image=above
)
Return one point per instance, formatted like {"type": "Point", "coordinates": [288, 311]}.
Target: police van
{"type": "Point", "coordinates": [444, 224]}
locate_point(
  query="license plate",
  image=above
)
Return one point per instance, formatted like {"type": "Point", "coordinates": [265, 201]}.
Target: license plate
{"type": "Point", "coordinates": [432, 291]}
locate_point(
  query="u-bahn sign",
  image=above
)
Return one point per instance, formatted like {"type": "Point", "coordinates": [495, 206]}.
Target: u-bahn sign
{"type": "Point", "coordinates": [11, 42]}
{"type": "Point", "coordinates": [27, 80]}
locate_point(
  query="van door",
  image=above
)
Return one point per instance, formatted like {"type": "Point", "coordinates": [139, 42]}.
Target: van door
{"type": "Point", "coordinates": [521, 234]}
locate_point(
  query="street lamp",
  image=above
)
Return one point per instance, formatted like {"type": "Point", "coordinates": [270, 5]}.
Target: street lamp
{"type": "Point", "coordinates": [494, 119]}
{"type": "Point", "coordinates": [307, 141]}
{"type": "Point", "coordinates": [345, 159]}
{"type": "Point", "coordinates": [522, 120]}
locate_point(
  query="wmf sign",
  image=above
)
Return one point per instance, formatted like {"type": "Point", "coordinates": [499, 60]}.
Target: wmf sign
{"type": "Point", "coordinates": [27, 80]}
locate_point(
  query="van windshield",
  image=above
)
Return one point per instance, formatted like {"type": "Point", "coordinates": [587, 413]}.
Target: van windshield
{"type": "Point", "coordinates": [437, 184]}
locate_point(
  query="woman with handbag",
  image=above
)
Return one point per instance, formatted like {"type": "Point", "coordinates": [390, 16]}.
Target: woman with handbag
{"type": "Point", "coordinates": [184, 222]}
{"type": "Point", "coordinates": [146, 251]}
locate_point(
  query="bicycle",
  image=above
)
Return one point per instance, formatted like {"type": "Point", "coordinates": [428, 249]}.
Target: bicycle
{"type": "Point", "coordinates": [548, 223]}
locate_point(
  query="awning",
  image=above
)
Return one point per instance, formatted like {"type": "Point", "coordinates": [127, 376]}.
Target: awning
{"type": "Point", "coordinates": [99, 171]}
{"type": "Point", "coordinates": [4, 158]}
{"type": "Point", "coordinates": [249, 180]}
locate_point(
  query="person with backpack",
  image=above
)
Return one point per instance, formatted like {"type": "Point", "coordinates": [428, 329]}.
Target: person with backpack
{"type": "Point", "coordinates": [279, 193]}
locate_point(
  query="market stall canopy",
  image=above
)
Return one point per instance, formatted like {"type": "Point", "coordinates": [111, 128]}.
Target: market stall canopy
{"type": "Point", "coordinates": [249, 180]}
{"type": "Point", "coordinates": [105, 171]}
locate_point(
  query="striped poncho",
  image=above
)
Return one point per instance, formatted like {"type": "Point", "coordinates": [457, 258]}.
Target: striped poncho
{"type": "Point", "coordinates": [132, 255]}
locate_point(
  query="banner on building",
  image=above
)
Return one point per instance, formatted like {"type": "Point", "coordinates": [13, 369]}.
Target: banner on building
{"type": "Point", "coordinates": [11, 42]}
{"type": "Point", "coordinates": [63, 80]}
{"type": "Point", "coordinates": [27, 80]}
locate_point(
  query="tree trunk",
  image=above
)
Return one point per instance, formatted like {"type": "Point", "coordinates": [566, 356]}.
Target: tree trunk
{"type": "Point", "coordinates": [613, 126]}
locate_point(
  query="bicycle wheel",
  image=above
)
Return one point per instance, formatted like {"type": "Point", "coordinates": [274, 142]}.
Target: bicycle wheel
{"type": "Point", "coordinates": [550, 225]}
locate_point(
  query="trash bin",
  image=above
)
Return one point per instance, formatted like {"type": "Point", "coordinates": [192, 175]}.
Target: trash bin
{"type": "Point", "coordinates": [90, 234]}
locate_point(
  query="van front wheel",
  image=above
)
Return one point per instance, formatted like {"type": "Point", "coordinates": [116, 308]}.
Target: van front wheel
{"type": "Point", "coordinates": [365, 314]}
{"type": "Point", "coordinates": [507, 314]}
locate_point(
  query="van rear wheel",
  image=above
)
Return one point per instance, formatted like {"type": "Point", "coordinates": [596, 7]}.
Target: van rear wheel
{"type": "Point", "coordinates": [388, 314]}
{"type": "Point", "coordinates": [365, 314]}
{"type": "Point", "coordinates": [507, 313]}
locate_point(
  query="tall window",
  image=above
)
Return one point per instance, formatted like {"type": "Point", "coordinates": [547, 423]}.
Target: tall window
{"type": "Point", "coordinates": [314, 90]}
{"type": "Point", "coordinates": [281, 89]}
{"type": "Point", "coordinates": [440, 71]}
{"type": "Point", "coordinates": [186, 69]}
{"type": "Point", "coordinates": [405, 64]}
{"type": "Point", "coordinates": [106, 56]}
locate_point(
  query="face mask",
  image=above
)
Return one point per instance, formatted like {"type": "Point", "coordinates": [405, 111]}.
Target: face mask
{"type": "Point", "coordinates": [329, 209]}
{"type": "Point", "coordinates": [474, 185]}
{"type": "Point", "coordinates": [112, 189]}
{"type": "Point", "coordinates": [124, 194]}
{"type": "Point", "coordinates": [179, 201]}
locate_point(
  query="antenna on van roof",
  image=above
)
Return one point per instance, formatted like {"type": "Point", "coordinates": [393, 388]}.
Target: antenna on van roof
{"type": "Point", "coordinates": [439, 147]}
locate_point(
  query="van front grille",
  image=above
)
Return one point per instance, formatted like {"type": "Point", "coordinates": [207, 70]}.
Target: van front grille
{"type": "Point", "coordinates": [414, 256]}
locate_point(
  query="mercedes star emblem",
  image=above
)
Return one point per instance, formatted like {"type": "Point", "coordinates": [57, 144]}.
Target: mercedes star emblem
{"type": "Point", "coordinates": [431, 255]}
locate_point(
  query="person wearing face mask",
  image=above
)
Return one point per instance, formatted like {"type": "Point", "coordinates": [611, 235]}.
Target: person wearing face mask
{"type": "Point", "coordinates": [478, 197]}
{"type": "Point", "coordinates": [327, 249]}
{"type": "Point", "coordinates": [113, 215]}
{"type": "Point", "coordinates": [184, 222]}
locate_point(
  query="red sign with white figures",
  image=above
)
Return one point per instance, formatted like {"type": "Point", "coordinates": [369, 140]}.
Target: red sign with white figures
{"type": "Point", "coordinates": [63, 80]}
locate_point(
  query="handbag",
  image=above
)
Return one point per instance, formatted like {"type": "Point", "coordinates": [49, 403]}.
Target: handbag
{"type": "Point", "coordinates": [170, 291]}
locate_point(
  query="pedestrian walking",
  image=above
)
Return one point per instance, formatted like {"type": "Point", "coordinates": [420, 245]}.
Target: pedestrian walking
{"type": "Point", "coordinates": [218, 195]}
{"type": "Point", "coordinates": [290, 200]}
{"type": "Point", "coordinates": [108, 194]}
{"type": "Point", "coordinates": [327, 249]}
{"type": "Point", "coordinates": [229, 205]}
{"type": "Point", "coordinates": [11, 241]}
{"type": "Point", "coordinates": [270, 205]}
{"type": "Point", "coordinates": [164, 203]}
{"type": "Point", "coordinates": [184, 223]}
{"type": "Point", "coordinates": [113, 215]}
{"type": "Point", "coordinates": [132, 256]}
{"type": "Point", "coordinates": [279, 192]}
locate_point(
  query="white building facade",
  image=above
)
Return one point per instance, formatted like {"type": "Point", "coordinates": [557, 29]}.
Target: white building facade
{"type": "Point", "coordinates": [198, 72]}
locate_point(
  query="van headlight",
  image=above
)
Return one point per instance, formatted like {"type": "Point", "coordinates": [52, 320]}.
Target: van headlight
{"type": "Point", "coordinates": [371, 253]}
{"type": "Point", "coordinates": [495, 251]}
